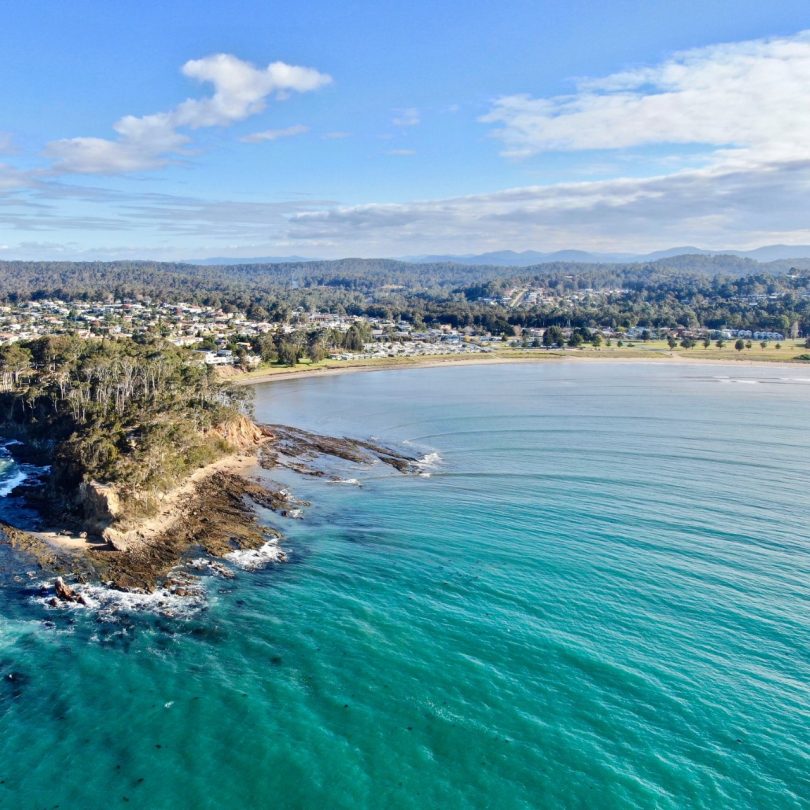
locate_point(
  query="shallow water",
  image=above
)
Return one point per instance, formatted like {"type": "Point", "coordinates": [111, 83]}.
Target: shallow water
{"type": "Point", "coordinates": [599, 598]}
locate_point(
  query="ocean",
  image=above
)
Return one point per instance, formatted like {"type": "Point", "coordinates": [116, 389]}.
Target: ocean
{"type": "Point", "coordinates": [595, 595]}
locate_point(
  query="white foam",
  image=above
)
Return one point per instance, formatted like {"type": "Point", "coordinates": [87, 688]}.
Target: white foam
{"type": "Point", "coordinates": [429, 461]}
{"type": "Point", "coordinates": [211, 566]}
{"type": "Point", "coordinates": [352, 481]}
{"type": "Point", "coordinates": [253, 559]}
{"type": "Point", "coordinates": [108, 603]}
{"type": "Point", "coordinates": [8, 486]}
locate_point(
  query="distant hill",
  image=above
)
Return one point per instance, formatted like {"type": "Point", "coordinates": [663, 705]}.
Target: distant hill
{"type": "Point", "coordinates": [526, 258]}
{"type": "Point", "coordinates": [532, 258]}
{"type": "Point", "coordinates": [222, 261]}
{"type": "Point", "coordinates": [529, 258]}
{"type": "Point", "coordinates": [771, 253]}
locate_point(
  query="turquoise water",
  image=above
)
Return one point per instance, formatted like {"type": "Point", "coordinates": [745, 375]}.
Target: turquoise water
{"type": "Point", "coordinates": [600, 598]}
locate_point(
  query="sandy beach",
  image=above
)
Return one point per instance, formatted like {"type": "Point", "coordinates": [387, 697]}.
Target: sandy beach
{"type": "Point", "coordinates": [255, 378]}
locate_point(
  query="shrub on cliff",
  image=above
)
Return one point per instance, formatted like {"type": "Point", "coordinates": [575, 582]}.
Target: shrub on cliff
{"type": "Point", "coordinates": [136, 415]}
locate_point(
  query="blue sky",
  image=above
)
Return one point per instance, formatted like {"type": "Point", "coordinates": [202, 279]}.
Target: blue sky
{"type": "Point", "coordinates": [376, 128]}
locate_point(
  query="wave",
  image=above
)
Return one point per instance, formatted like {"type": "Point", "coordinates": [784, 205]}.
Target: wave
{"type": "Point", "coordinates": [254, 559]}
{"type": "Point", "coordinates": [108, 604]}
{"type": "Point", "coordinates": [428, 463]}
{"type": "Point", "coordinates": [10, 484]}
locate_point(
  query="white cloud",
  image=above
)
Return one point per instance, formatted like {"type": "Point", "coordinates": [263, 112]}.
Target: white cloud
{"type": "Point", "coordinates": [714, 208]}
{"type": "Point", "coordinates": [746, 101]}
{"type": "Point", "coordinates": [147, 142]}
{"type": "Point", "coordinates": [744, 106]}
{"type": "Point", "coordinates": [401, 152]}
{"type": "Point", "coordinates": [717, 208]}
{"type": "Point", "coordinates": [275, 134]}
{"type": "Point", "coordinates": [13, 178]}
{"type": "Point", "coordinates": [406, 117]}
{"type": "Point", "coordinates": [335, 135]}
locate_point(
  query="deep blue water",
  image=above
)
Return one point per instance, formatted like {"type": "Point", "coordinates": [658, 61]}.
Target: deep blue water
{"type": "Point", "coordinates": [599, 598]}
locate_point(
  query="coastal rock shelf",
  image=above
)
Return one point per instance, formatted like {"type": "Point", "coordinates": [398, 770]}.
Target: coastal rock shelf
{"type": "Point", "coordinates": [300, 450]}
{"type": "Point", "coordinates": [206, 526]}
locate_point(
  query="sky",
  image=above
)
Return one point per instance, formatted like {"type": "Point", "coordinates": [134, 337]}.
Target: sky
{"type": "Point", "coordinates": [185, 130]}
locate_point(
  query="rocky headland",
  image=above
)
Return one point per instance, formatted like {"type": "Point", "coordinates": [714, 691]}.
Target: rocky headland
{"type": "Point", "coordinates": [140, 542]}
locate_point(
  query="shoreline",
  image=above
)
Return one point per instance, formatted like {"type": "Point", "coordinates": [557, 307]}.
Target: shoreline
{"type": "Point", "coordinates": [216, 509]}
{"type": "Point", "coordinates": [439, 361]}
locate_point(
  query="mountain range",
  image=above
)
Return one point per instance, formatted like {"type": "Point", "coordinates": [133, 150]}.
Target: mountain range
{"type": "Point", "coordinates": [527, 258]}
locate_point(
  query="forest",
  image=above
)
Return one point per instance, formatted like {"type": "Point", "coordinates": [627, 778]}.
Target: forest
{"type": "Point", "coordinates": [140, 415]}
{"type": "Point", "coordinates": [681, 291]}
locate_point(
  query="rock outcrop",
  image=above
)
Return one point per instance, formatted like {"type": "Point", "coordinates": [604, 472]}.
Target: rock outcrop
{"type": "Point", "coordinates": [66, 593]}
{"type": "Point", "coordinates": [99, 504]}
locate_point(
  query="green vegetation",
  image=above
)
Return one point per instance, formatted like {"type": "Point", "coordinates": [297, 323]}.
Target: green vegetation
{"type": "Point", "coordinates": [683, 291]}
{"type": "Point", "coordinates": [139, 416]}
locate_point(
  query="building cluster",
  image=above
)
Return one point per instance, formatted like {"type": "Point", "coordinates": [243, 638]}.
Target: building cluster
{"type": "Point", "coordinates": [222, 337]}
{"type": "Point", "coordinates": [183, 324]}
{"type": "Point", "coordinates": [533, 296]}
{"type": "Point", "coordinates": [225, 337]}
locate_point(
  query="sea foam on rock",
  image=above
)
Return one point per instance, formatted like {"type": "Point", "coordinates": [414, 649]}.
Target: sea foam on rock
{"type": "Point", "coordinates": [253, 559]}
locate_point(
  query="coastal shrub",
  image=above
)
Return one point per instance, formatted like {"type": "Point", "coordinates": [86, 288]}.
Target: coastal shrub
{"type": "Point", "coordinates": [136, 414]}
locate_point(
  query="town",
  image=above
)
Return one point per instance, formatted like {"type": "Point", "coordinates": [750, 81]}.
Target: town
{"type": "Point", "coordinates": [223, 336]}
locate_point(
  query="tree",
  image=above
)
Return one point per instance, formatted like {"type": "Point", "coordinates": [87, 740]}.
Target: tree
{"type": "Point", "coordinates": [720, 343]}
{"type": "Point", "coordinates": [706, 343]}
{"type": "Point", "coordinates": [748, 344]}
{"type": "Point", "coordinates": [266, 348]}
{"type": "Point", "coordinates": [316, 348]}
{"type": "Point", "coordinates": [739, 345]}
{"type": "Point", "coordinates": [241, 358]}
{"type": "Point", "coordinates": [687, 343]}
{"type": "Point", "coordinates": [671, 342]}
{"type": "Point", "coordinates": [289, 353]}
{"type": "Point", "coordinates": [763, 344]}
{"type": "Point", "coordinates": [15, 364]}
{"type": "Point", "coordinates": [553, 336]}
{"type": "Point", "coordinates": [596, 341]}
{"type": "Point", "coordinates": [354, 338]}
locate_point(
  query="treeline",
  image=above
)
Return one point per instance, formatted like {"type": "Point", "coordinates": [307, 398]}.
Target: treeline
{"type": "Point", "coordinates": [348, 279]}
{"type": "Point", "coordinates": [689, 291]}
{"type": "Point", "coordinates": [139, 415]}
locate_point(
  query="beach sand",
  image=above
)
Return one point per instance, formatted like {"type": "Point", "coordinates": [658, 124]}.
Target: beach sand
{"type": "Point", "coordinates": [254, 378]}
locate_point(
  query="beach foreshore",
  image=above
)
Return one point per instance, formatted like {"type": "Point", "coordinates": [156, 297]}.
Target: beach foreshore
{"type": "Point", "coordinates": [348, 367]}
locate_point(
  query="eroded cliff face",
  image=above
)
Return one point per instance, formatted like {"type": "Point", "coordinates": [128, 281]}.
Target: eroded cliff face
{"type": "Point", "coordinates": [99, 504]}
{"type": "Point", "coordinates": [102, 509]}
{"type": "Point", "coordinates": [242, 434]}
{"type": "Point", "coordinates": [107, 514]}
